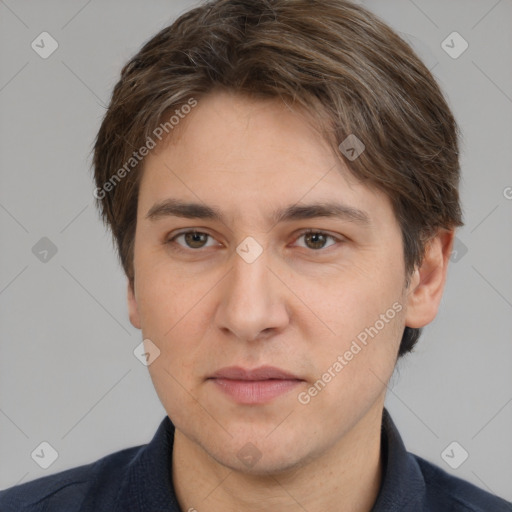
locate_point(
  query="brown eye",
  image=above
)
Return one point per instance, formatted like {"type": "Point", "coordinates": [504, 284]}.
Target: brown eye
{"type": "Point", "coordinates": [192, 239]}
{"type": "Point", "coordinates": [316, 240]}
{"type": "Point", "coordinates": [195, 240]}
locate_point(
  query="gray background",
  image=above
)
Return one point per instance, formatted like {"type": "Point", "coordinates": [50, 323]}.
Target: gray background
{"type": "Point", "coordinates": [68, 375]}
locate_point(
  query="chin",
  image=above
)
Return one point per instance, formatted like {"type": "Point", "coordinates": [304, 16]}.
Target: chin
{"type": "Point", "coordinates": [264, 457]}
{"type": "Point", "coordinates": [270, 465]}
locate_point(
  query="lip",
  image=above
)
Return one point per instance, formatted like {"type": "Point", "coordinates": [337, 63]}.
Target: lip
{"type": "Point", "coordinates": [261, 373]}
{"type": "Point", "coordinates": [256, 386]}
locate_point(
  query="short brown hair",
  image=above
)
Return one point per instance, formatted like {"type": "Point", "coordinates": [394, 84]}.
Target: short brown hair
{"type": "Point", "coordinates": [329, 56]}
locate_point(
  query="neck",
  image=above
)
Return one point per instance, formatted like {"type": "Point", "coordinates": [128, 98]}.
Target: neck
{"type": "Point", "coordinates": [347, 478]}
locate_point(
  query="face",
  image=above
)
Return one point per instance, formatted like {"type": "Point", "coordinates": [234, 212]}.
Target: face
{"type": "Point", "coordinates": [257, 277]}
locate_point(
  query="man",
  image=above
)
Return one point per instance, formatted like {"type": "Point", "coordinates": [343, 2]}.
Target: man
{"type": "Point", "coordinates": [280, 178]}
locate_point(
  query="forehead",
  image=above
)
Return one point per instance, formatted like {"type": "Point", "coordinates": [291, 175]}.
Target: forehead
{"type": "Point", "coordinates": [247, 155]}
{"type": "Point", "coordinates": [226, 125]}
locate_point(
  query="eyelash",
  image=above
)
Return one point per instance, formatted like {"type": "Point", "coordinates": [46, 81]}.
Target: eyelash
{"type": "Point", "coordinates": [180, 248]}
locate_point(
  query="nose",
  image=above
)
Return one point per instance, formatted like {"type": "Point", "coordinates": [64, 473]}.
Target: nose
{"type": "Point", "coordinates": [252, 304]}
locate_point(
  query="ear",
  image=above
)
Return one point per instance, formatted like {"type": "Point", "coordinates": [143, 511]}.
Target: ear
{"type": "Point", "coordinates": [132, 307]}
{"type": "Point", "coordinates": [427, 282]}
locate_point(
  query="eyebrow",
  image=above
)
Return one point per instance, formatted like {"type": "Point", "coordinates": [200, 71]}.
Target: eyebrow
{"type": "Point", "coordinates": [177, 208]}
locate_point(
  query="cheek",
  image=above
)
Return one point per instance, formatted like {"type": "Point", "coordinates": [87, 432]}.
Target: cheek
{"type": "Point", "coordinates": [166, 298]}
{"type": "Point", "coordinates": [367, 335]}
{"type": "Point", "coordinates": [356, 299]}
{"type": "Point", "coordinates": [173, 318]}
{"type": "Point", "coordinates": [352, 371]}
{"type": "Point", "coordinates": [365, 316]}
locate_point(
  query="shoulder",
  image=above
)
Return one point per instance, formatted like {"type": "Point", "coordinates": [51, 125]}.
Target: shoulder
{"type": "Point", "coordinates": [452, 494]}
{"type": "Point", "coordinates": [66, 490]}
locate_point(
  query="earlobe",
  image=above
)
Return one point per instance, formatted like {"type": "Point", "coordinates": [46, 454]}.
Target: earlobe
{"type": "Point", "coordinates": [427, 283]}
{"type": "Point", "coordinates": [132, 307]}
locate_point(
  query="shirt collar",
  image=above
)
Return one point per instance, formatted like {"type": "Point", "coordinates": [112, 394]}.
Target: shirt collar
{"type": "Point", "coordinates": [402, 486]}
{"type": "Point", "coordinates": [148, 486]}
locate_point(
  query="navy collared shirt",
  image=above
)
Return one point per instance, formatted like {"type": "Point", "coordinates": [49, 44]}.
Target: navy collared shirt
{"type": "Point", "coordinates": [139, 479]}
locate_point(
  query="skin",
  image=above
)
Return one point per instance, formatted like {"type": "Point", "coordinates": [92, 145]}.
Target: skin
{"type": "Point", "coordinates": [298, 306]}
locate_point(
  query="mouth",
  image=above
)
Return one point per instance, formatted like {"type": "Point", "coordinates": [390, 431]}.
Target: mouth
{"type": "Point", "coordinates": [256, 386]}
